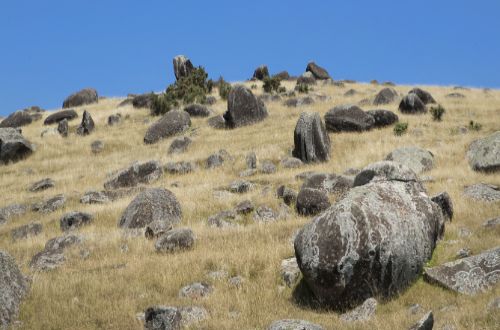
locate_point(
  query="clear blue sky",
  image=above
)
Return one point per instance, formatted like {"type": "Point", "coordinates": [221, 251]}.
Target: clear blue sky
{"type": "Point", "coordinates": [50, 49]}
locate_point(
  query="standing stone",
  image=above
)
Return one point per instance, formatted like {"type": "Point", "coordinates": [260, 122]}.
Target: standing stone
{"type": "Point", "coordinates": [417, 159]}
{"type": "Point", "coordinates": [173, 122]}
{"type": "Point", "coordinates": [182, 66]}
{"type": "Point", "coordinates": [261, 72]}
{"type": "Point", "coordinates": [348, 118]}
{"type": "Point", "coordinates": [83, 97]}
{"type": "Point", "coordinates": [13, 288]}
{"type": "Point", "coordinates": [63, 127]}
{"type": "Point", "coordinates": [424, 96]}
{"type": "Point", "coordinates": [318, 72]}
{"type": "Point", "coordinates": [312, 143]}
{"type": "Point", "coordinates": [87, 125]}
{"type": "Point", "coordinates": [411, 104]}
{"type": "Point", "coordinates": [484, 154]}
{"type": "Point", "coordinates": [13, 146]}
{"type": "Point", "coordinates": [385, 96]}
{"type": "Point", "coordinates": [243, 108]}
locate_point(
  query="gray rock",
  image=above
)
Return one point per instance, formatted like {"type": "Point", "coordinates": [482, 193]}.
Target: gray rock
{"type": "Point", "coordinates": [137, 173]}
{"type": "Point", "coordinates": [385, 96]}
{"type": "Point", "coordinates": [363, 312]}
{"type": "Point", "coordinates": [181, 167]}
{"type": "Point", "coordinates": [386, 171]}
{"type": "Point", "coordinates": [318, 72]}
{"type": "Point", "coordinates": [243, 108]}
{"type": "Point", "coordinates": [87, 125]}
{"type": "Point", "coordinates": [328, 182]}
{"type": "Point", "coordinates": [483, 192]}
{"type": "Point", "coordinates": [154, 204]}
{"type": "Point", "coordinates": [484, 154]}
{"type": "Point", "coordinates": [114, 119]}
{"type": "Point", "coordinates": [290, 324]}
{"type": "Point", "coordinates": [267, 167]}
{"type": "Point", "coordinates": [13, 146]}
{"type": "Point", "coordinates": [312, 143]}
{"type": "Point", "coordinates": [443, 199]}
{"type": "Point", "coordinates": [224, 219]}
{"type": "Point", "coordinates": [463, 253]}
{"type": "Point", "coordinates": [425, 96]}
{"type": "Point", "coordinates": [162, 318]}
{"type": "Point", "coordinates": [191, 315]}
{"type": "Point", "coordinates": [97, 146]}
{"type": "Point", "coordinates": [251, 160]}
{"type": "Point", "coordinates": [348, 118]}
{"type": "Point", "coordinates": [50, 205]}
{"type": "Point", "coordinates": [217, 122]}
{"type": "Point", "coordinates": [197, 110]}
{"type": "Point", "coordinates": [29, 230]}
{"type": "Point", "coordinates": [417, 159]}
{"type": "Point", "coordinates": [288, 195]}
{"type": "Point", "coordinates": [266, 97]}
{"type": "Point", "coordinates": [60, 116]}
{"type": "Point", "coordinates": [265, 214]}
{"type": "Point", "coordinates": [12, 210]}
{"type": "Point", "coordinates": [53, 255]}
{"type": "Point", "coordinates": [492, 223]}
{"type": "Point", "coordinates": [196, 290]}
{"type": "Point", "coordinates": [383, 117]}
{"type": "Point", "coordinates": [425, 323]}
{"type": "Point", "coordinates": [494, 305]}
{"type": "Point", "coordinates": [240, 186]}
{"type": "Point", "coordinates": [261, 72]}
{"type": "Point", "coordinates": [13, 288]}
{"type": "Point", "coordinates": [74, 220]}
{"type": "Point", "coordinates": [244, 207]}
{"type": "Point", "coordinates": [173, 122]}
{"type": "Point", "coordinates": [291, 162]}
{"type": "Point", "coordinates": [179, 145]}
{"type": "Point", "coordinates": [17, 119]}
{"type": "Point", "coordinates": [470, 276]}
{"type": "Point", "coordinates": [175, 240]}
{"type": "Point", "coordinates": [42, 185]}
{"type": "Point", "coordinates": [307, 78]}
{"type": "Point", "coordinates": [217, 159]}
{"type": "Point", "coordinates": [94, 197]}
{"type": "Point", "coordinates": [142, 101]}
{"type": "Point", "coordinates": [290, 272]}
{"type": "Point", "coordinates": [83, 97]}
{"type": "Point", "coordinates": [411, 104]}
{"type": "Point", "coordinates": [63, 127]}
{"type": "Point", "coordinates": [298, 101]}
{"type": "Point", "coordinates": [157, 228]}
{"type": "Point", "coordinates": [311, 201]}
{"type": "Point", "coordinates": [182, 66]}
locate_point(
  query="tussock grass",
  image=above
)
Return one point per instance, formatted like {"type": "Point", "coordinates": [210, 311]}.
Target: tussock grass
{"type": "Point", "coordinates": [107, 289]}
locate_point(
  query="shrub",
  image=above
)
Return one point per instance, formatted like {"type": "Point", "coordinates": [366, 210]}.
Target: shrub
{"type": "Point", "coordinates": [253, 86]}
{"type": "Point", "coordinates": [271, 84]}
{"type": "Point", "coordinates": [400, 128]}
{"type": "Point", "coordinates": [437, 112]}
{"type": "Point", "coordinates": [302, 88]}
{"type": "Point", "coordinates": [282, 89]}
{"type": "Point", "coordinates": [474, 126]}
{"type": "Point", "coordinates": [224, 88]}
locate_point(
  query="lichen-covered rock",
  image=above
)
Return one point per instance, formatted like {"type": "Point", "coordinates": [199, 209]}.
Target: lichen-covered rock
{"type": "Point", "coordinates": [175, 240]}
{"type": "Point", "coordinates": [182, 66]}
{"type": "Point", "coordinates": [162, 318]}
{"type": "Point", "coordinates": [13, 146]}
{"type": "Point", "coordinates": [53, 255]}
{"type": "Point", "coordinates": [470, 275]}
{"type": "Point", "coordinates": [290, 271]}
{"type": "Point", "coordinates": [288, 195]}
{"type": "Point", "coordinates": [412, 104]}
{"type": "Point", "coordinates": [50, 205]}
{"type": "Point", "coordinates": [243, 108]}
{"type": "Point", "coordinates": [29, 230]}
{"type": "Point", "coordinates": [423, 95]}
{"type": "Point", "coordinates": [318, 72]}
{"type": "Point", "coordinates": [13, 288]}
{"type": "Point", "coordinates": [198, 110]}
{"type": "Point", "coordinates": [363, 312]}
{"type": "Point", "coordinates": [385, 96]}
{"type": "Point", "coordinates": [60, 116]}
{"type": "Point", "coordinates": [154, 204]}
{"type": "Point", "coordinates": [173, 122]}
{"type": "Point", "coordinates": [311, 201]}
{"type": "Point", "coordinates": [181, 167]}
{"type": "Point", "coordinates": [290, 324]}
{"type": "Point", "coordinates": [261, 72]}
{"type": "Point", "coordinates": [74, 220]}
{"type": "Point", "coordinates": [42, 185]}
{"type": "Point", "coordinates": [94, 197]}
{"type": "Point", "coordinates": [383, 117]}
{"type": "Point", "coordinates": [196, 290]}
{"type": "Point", "coordinates": [328, 182]}
{"type": "Point", "coordinates": [240, 186]}
{"type": "Point", "coordinates": [87, 125]}
{"type": "Point", "coordinates": [312, 143]}
{"type": "Point", "coordinates": [483, 192]}
{"type": "Point", "coordinates": [179, 145]}
{"type": "Point", "coordinates": [244, 207]}
{"type": "Point", "coordinates": [83, 97]}
{"type": "Point", "coordinates": [137, 173]}
{"type": "Point", "coordinates": [484, 154]}
{"type": "Point", "coordinates": [348, 118]}
{"type": "Point", "coordinates": [417, 159]}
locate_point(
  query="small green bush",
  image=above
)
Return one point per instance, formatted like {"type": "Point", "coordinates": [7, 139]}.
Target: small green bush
{"type": "Point", "coordinates": [302, 88]}
{"type": "Point", "coordinates": [437, 112]}
{"type": "Point", "coordinates": [271, 84]}
{"type": "Point", "coordinates": [224, 88]}
{"type": "Point", "coordinates": [474, 126]}
{"type": "Point", "coordinates": [400, 128]}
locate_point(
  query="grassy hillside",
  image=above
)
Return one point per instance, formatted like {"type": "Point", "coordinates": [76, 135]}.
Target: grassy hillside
{"type": "Point", "coordinates": [108, 288]}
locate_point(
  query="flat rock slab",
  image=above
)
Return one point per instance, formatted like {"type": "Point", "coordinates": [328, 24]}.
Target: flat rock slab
{"type": "Point", "coordinates": [470, 275]}
{"type": "Point", "coordinates": [417, 159]}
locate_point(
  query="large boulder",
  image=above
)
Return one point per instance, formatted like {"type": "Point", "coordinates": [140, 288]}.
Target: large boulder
{"type": "Point", "coordinates": [154, 204]}
{"type": "Point", "coordinates": [13, 146]}
{"type": "Point", "coordinates": [470, 276]}
{"type": "Point", "coordinates": [243, 108]}
{"type": "Point", "coordinates": [182, 66]}
{"type": "Point", "coordinates": [383, 117]}
{"type": "Point", "coordinates": [312, 143]}
{"type": "Point", "coordinates": [412, 104]}
{"type": "Point", "coordinates": [318, 72]}
{"type": "Point", "coordinates": [261, 72]}
{"type": "Point", "coordinates": [198, 110]}
{"type": "Point", "coordinates": [348, 118]}
{"type": "Point", "coordinates": [424, 96]}
{"type": "Point", "coordinates": [385, 96]}
{"type": "Point", "coordinates": [87, 125]}
{"type": "Point", "coordinates": [13, 288]}
{"type": "Point", "coordinates": [137, 173]}
{"type": "Point", "coordinates": [328, 182]}
{"type": "Point", "coordinates": [60, 116]}
{"type": "Point", "coordinates": [484, 154]}
{"type": "Point", "coordinates": [17, 119]}
{"type": "Point", "coordinates": [483, 192]}
{"type": "Point", "coordinates": [417, 159]}
{"type": "Point", "coordinates": [377, 238]}
{"type": "Point", "coordinates": [83, 97]}
{"type": "Point", "coordinates": [173, 122]}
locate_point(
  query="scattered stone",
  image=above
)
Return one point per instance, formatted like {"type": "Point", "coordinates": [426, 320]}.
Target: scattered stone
{"type": "Point", "coordinates": [13, 288]}
{"type": "Point", "coordinates": [494, 305]}
{"type": "Point", "coordinates": [175, 240]}
{"type": "Point", "coordinates": [181, 167]}
{"type": "Point", "coordinates": [83, 97]}
{"type": "Point", "coordinates": [290, 271]}
{"type": "Point", "coordinates": [94, 197]}
{"type": "Point", "coordinates": [179, 145]}
{"type": "Point", "coordinates": [251, 160]}
{"type": "Point", "coordinates": [217, 159]}
{"type": "Point", "coordinates": [114, 119]}
{"type": "Point", "coordinates": [492, 223]}
{"type": "Point", "coordinates": [470, 276]}
{"type": "Point", "coordinates": [53, 255]}
{"type": "Point", "coordinates": [484, 154]}
{"type": "Point", "coordinates": [173, 122]}
{"type": "Point", "coordinates": [162, 318]}
{"type": "Point", "coordinates": [236, 281]}
{"type": "Point", "coordinates": [87, 125]}
{"type": "Point", "coordinates": [197, 110]}
{"type": "Point", "coordinates": [364, 312]}
{"type": "Point", "coordinates": [217, 122]}
{"type": "Point", "coordinates": [74, 220]}
{"type": "Point", "coordinates": [328, 182]}
{"type": "Point", "coordinates": [385, 96]}
{"type": "Point", "coordinates": [266, 97]}
{"type": "Point", "coordinates": [12, 210]}
{"type": "Point", "coordinates": [456, 96]}
{"type": "Point", "coordinates": [483, 192]}
{"type": "Point", "coordinates": [63, 127]}
{"type": "Point", "coordinates": [42, 185]}
{"type": "Point", "coordinates": [265, 214]}
{"type": "Point", "coordinates": [182, 66]}
{"type": "Point", "coordinates": [240, 186]}
{"type": "Point", "coordinates": [244, 207]}
{"type": "Point", "coordinates": [417, 159]}
{"type": "Point", "coordinates": [411, 104]}
{"type": "Point", "coordinates": [243, 108]}
{"type": "Point", "coordinates": [311, 202]}
{"type": "Point", "coordinates": [383, 117]}
{"type": "Point", "coordinates": [318, 72]}
{"type": "Point", "coordinates": [247, 172]}
{"type": "Point", "coordinates": [307, 78]}
{"type": "Point", "coordinates": [288, 195]}
{"type": "Point", "coordinates": [192, 315]}
{"type": "Point", "coordinates": [443, 199]}
{"type": "Point", "coordinates": [425, 323]}
{"type": "Point", "coordinates": [224, 219]}
{"type": "Point", "coordinates": [29, 230]}
{"type": "Point", "coordinates": [267, 167]}
{"type": "Point", "coordinates": [348, 118]}
{"type": "Point", "coordinates": [290, 324]}
{"type": "Point", "coordinates": [13, 146]}
{"type": "Point", "coordinates": [196, 290]}
{"type": "Point", "coordinates": [463, 253]}
{"type": "Point", "coordinates": [137, 173]}
{"type": "Point", "coordinates": [157, 228]}
{"type": "Point", "coordinates": [50, 205]}
{"type": "Point", "coordinates": [425, 96]}
{"type": "Point", "coordinates": [261, 72]}
{"type": "Point", "coordinates": [60, 116]}
{"type": "Point", "coordinates": [218, 275]}
{"type": "Point", "coordinates": [97, 146]}
{"type": "Point", "coordinates": [312, 143]}
{"type": "Point", "coordinates": [291, 162]}
{"type": "Point", "coordinates": [299, 101]}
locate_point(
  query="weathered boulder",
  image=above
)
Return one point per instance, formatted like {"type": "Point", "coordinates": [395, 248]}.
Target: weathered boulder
{"type": "Point", "coordinates": [288, 195]}
{"type": "Point", "coordinates": [87, 125]}
{"type": "Point", "coordinates": [53, 255]}
{"type": "Point", "coordinates": [385, 96]}
{"type": "Point", "coordinates": [153, 204]}
{"type": "Point", "coordinates": [137, 173]}
{"type": "Point", "coordinates": [173, 122]}
{"type": "Point", "coordinates": [181, 167]}
{"type": "Point", "coordinates": [13, 146]}
{"type": "Point", "coordinates": [383, 117]}
{"type": "Point", "coordinates": [42, 185]}
{"type": "Point", "coordinates": [83, 97]}
{"type": "Point", "coordinates": [424, 96]}
{"type": "Point", "coordinates": [114, 119]}
{"type": "Point", "coordinates": [94, 197]}
{"type": "Point", "coordinates": [328, 182]}
{"type": "Point", "coordinates": [175, 240]}
{"type": "Point", "coordinates": [374, 240]}
{"type": "Point", "coordinates": [13, 288]}
{"type": "Point", "coordinates": [50, 205]}
{"type": "Point", "coordinates": [425, 323]}
{"type": "Point", "coordinates": [196, 290]}
{"type": "Point", "coordinates": [386, 171]}
{"type": "Point", "coordinates": [311, 201]}
{"type": "Point", "coordinates": [291, 162]}
{"type": "Point", "coordinates": [29, 230]}
{"type": "Point", "coordinates": [63, 127]}
{"type": "Point", "coordinates": [290, 324]}
{"type": "Point", "coordinates": [348, 118]}
{"type": "Point", "coordinates": [411, 104]}
{"type": "Point", "coordinates": [261, 72]}
{"type": "Point", "coordinates": [470, 276]}
{"type": "Point", "coordinates": [182, 66]}
{"type": "Point", "coordinates": [217, 159]}
{"type": "Point", "coordinates": [17, 119]}
{"type": "Point", "coordinates": [290, 271]}
{"type": "Point", "coordinates": [312, 143]}
{"type": "Point", "coordinates": [483, 192]}
{"type": "Point", "coordinates": [74, 220]}
{"type": "Point", "coordinates": [417, 159]}
{"type": "Point", "coordinates": [60, 116]}
{"type": "Point", "coordinates": [179, 145]}
{"type": "Point", "coordinates": [363, 312]}
{"type": "Point", "coordinates": [198, 110]}
{"type": "Point", "coordinates": [484, 154]}
{"type": "Point", "coordinates": [162, 318]}
{"type": "Point", "coordinates": [318, 72]}
{"type": "Point", "coordinates": [243, 108]}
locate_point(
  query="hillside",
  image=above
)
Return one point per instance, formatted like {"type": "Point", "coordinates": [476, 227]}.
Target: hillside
{"type": "Point", "coordinates": [113, 275]}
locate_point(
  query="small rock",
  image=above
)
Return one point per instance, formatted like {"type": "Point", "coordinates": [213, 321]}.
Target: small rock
{"type": "Point", "coordinates": [94, 197]}
{"type": "Point", "coordinates": [181, 167]}
{"type": "Point", "coordinates": [463, 253]}
{"type": "Point", "coordinates": [29, 230]}
{"type": "Point", "coordinates": [291, 162]}
{"type": "Point", "coordinates": [218, 275]}
{"type": "Point", "coordinates": [290, 271]}
{"type": "Point", "coordinates": [179, 145]}
{"type": "Point", "coordinates": [224, 219]}
{"type": "Point", "coordinates": [74, 220]}
{"type": "Point", "coordinates": [244, 207]}
{"type": "Point", "coordinates": [114, 119]}
{"type": "Point", "coordinates": [135, 174]}
{"type": "Point", "coordinates": [425, 323]}
{"type": "Point", "coordinates": [268, 167]}
{"type": "Point", "coordinates": [288, 195]}
{"type": "Point", "coordinates": [236, 281]}
{"type": "Point", "coordinates": [265, 214]}
{"type": "Point", "coordinates": [42, 185]}
{"type": "Point", "coordinates": [196, 290]}
{"type": "Point", "coordinates": [162, 318]}
{"type": "Point", "coordinates": [240, 186]}
{"type": "Point", "coordinates": [217, 159]}
{"type": "Point", "coordinates": [251, 160]}
{"type": "Point", "coordinates": [50, 205]}
{"type": "Point", "coordinates": [363, 312]}
{"type": "Point", "coordinates": [97, 146]}
{"type": "Point", "coordinates": [53, 255]}
{"type": "Point", "coordinates": [197, 110]}
{"type": "Point", "coordinates": [175, 240]}
{"type": "Point", "coordinates": [192, 314]}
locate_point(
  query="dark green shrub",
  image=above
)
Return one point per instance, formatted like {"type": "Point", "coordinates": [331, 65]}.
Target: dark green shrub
{"type": "Point", "coordinates": [271, 84]}
{"type": "Point", "coordinates": [224, 88]}
{"type": "Point", "coordinates": [302, 88]}
{"type": "Point", "coordinates": [282, 89]}
{"type": "Point", "coordinates": [437, 112]}
{"type": "Point", "coordinates": [474, 126]}
{"type": "Point", "coordinates": [400, 128]}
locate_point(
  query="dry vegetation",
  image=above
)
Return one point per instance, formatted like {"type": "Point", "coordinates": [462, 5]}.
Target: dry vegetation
{"type": "Point", "coordinates": [98, 293]}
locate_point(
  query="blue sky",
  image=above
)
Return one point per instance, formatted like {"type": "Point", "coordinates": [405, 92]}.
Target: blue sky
{"type": "Point", "coordinates": [53, 48]}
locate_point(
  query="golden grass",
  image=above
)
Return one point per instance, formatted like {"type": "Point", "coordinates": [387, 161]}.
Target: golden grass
{"type": "Point", "coordinates": [94, 294]}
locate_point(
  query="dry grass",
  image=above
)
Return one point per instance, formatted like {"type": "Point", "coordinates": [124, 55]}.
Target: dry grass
{"type": "Point", "coordinates": [91, 293]}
